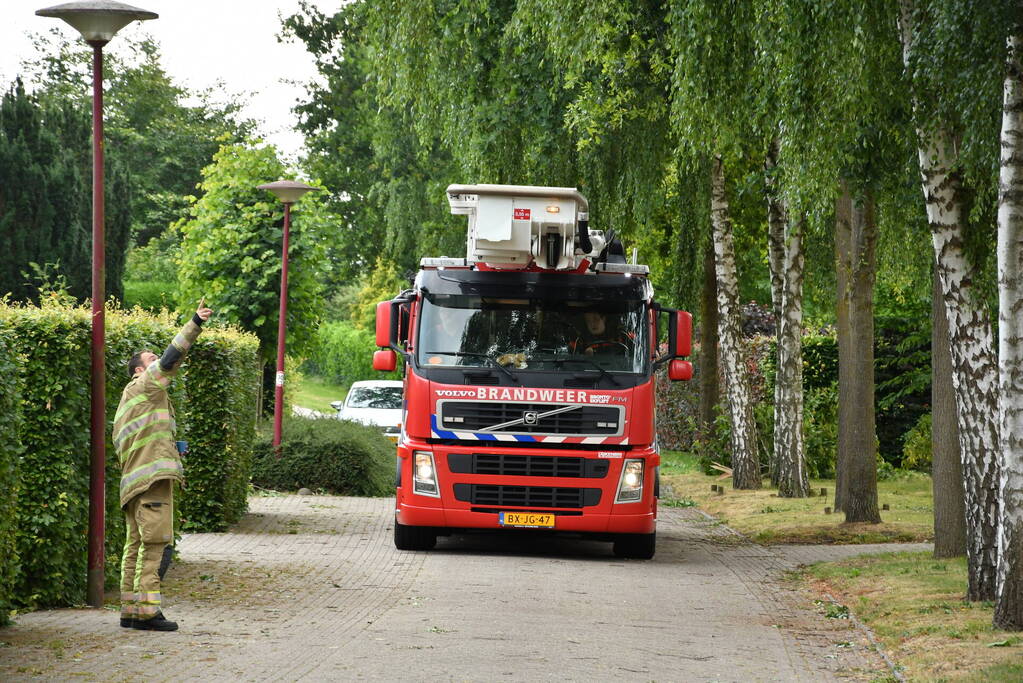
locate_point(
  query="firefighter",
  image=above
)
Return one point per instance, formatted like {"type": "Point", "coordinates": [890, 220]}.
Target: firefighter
{"type": "Point", "coordinates": [600, 338]}
{"type": "Point", "coordinates": [150, 464]}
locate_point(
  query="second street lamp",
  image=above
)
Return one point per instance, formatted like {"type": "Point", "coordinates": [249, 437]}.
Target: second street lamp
{"type": "Point", "coordinates": [288, 192]}
{"type": "Point", "coordinates": [97, 21]}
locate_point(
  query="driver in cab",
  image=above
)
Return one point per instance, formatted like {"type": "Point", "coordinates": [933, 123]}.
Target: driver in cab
{"type": "Point", "coordinates": [599, 336]}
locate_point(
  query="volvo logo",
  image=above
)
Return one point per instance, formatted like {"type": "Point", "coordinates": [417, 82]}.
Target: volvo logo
{"type": "Point", "coordinates": [529, 417]}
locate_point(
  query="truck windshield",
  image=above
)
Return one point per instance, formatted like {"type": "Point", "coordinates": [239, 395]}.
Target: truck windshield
{"type": "Point", "coordinates": [532, 334]}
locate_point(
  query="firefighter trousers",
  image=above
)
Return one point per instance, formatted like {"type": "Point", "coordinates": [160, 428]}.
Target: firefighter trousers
{"type": "Point", "coordinates": [150, 527]}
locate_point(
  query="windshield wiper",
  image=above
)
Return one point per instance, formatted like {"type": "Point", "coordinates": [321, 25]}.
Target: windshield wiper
{"type": "Point", "coordinates": [486, 357]}
{"type": "Point", "coordinates": [576, 359]}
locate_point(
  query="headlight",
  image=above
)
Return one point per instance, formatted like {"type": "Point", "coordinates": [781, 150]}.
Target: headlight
{"type": "Point", "coordinates": [424, 475]}
{"type": "Point", "coordinates": [630, 486]}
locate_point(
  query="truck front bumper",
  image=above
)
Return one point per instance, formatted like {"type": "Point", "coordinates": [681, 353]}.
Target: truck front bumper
{"type": "Point", "coordinates": [588, 522]}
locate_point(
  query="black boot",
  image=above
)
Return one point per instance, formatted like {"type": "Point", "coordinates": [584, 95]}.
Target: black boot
{"type": "Point", "coordinates": [127, 622]}
{"type": "Point", "coordinates": [157, 623]}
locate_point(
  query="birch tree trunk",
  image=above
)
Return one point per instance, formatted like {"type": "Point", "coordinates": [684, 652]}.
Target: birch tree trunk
{"type": "Point", "coordinates": [709, 390]}
{"type": "Point", "coordinates": [1009, 600]}
{"type": "Point", "coordinates": [776, 259]}
{"type": "Point", "coordinates": [859, 263]}
{"type": "Point", "coordinates": [745, 461]}
{"type": "Point", "coordinates": [785, 240]}
{"type": "Point", "coordinates": [975, 375]}
{"type": "Point", "coordinates": [791, 457]}
{"type": "Point", "coordinates": [946, 462]}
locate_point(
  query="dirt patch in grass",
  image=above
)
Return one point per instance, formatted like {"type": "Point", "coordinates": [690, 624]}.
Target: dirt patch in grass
{"type": "Point", "coordinates": [767, 518]}
{"type": "Point", "coordinates": [914, 605]}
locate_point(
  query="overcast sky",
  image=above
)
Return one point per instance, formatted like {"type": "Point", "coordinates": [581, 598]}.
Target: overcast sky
{"type": "Point", "coordinates": [202, 41]}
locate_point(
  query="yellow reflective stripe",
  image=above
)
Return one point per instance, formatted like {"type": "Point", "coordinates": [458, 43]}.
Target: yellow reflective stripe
{"type": "Point", "coordinates": [130, 403]}
{"type": "Point", "coordinates": [181, 342]}
{"type": "Point", "coordinates": [163, 434]}
{"type": "Point", "coordinates": [161, 466]}
{"type": "Point", "coordinates": [153, 597]}
{"type": "Point", "coordinates": [140, 423]}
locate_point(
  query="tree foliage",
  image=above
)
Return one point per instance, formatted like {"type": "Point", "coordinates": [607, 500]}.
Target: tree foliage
{"type": "Point", "coordinates": [46, 196]}
{"type": "Point", "coordinates": [162, 132]}
{"type": "Point", "coordinates": [231, 249]}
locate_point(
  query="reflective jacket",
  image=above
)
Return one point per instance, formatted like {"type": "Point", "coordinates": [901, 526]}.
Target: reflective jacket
{"type": "Point", "coordinates": [144, 424]}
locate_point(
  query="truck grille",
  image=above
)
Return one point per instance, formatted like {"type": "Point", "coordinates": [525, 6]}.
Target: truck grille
{"type": "Point", "coordinates": [509, 465]}
{"type": "Point", "coordinates": [526, 496]}
{"type": "Point", "coordinates": [582, 420]}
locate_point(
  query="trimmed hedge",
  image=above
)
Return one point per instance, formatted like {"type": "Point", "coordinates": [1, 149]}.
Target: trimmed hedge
{"type": "Point", "coordinates": [344, 354]}
{"type": "Point", "coordinates": [324, 453]}
{"type": "Point", "coordinates": [10, 450]}
{"type": "Point", "coordinates": [221, 379]}
{"type": "Point", "coordinates": [52, 508]}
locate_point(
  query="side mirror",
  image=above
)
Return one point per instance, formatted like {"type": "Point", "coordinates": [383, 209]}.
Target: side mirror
{"type": "Point", "coordinates": [684, 334]}
{"type": "Point", "coordinates": [680, 370]}
{"type": "Point", "coordinates": [383, 328]}
{"type": "Point", "coordinates": [337, 405]}
{"type": "Point", "coordinates": [385, 360]}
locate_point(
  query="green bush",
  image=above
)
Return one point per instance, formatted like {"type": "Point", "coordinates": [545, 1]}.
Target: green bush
{"type": "Point", "coordinates": [820, 431]}
{"type": "Point", "coordinates": [333, 455]}
{"type": "Point", "coordinates": [152, 295]}
{"type": "Point", "coordinates": [678, 406]}
{"type": "Point", "coordinates": [219, 417]}
{"type": "Point", "coordinates": [344, 354]}
{"type": "Point", "coordinates": [52, 508]}
{"type": "Point", "coordinates": [10, 450]}
{"type": "Point", "coordinates": [917, 453]}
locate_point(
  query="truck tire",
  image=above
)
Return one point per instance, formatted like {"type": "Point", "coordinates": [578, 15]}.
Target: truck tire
{"type": "Point", "coordinates": [636, 546]}
{"type": "Point", "coordinates": [414, 537]}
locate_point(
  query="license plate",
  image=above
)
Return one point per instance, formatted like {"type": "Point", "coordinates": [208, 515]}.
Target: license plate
{"type": "Point", "coordinates": [532, 520]}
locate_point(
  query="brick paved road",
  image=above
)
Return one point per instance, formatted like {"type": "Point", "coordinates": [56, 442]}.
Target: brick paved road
{"type": "Point", "coordinates": [311, 588]}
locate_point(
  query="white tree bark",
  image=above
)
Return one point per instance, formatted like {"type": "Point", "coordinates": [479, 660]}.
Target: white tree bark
{"type": "Point", "coordinates": [1009, 600]}
{"type": "Point", "coordinates": [785, 241]}
{"type": "Point", "coordinates": [792, 478]}
{"type": "Point", "coordinates": [745, 461]}
{"type": "Point", "coordinates": [975, 376]}
{"type": "Point", "coordinates": [776, 217]}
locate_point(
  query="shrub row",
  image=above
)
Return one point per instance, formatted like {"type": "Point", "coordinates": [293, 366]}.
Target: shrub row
{"type": "Point", "coordinates": [901, 401]}
{"type": "Point", "coordinates": [344, 354]}
{"type": "Point", "coordinates": [326, 454]}
{"type": "Point", "coordinates": [52, 472]}
{"type": "Point", "coordinates": [10, 450]}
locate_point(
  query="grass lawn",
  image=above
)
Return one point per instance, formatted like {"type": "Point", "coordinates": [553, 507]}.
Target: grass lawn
{"type": "Point", "coordinates": [766, 518]}
{"type": "Point", "coordinates": [912, 602]}
{"type": "Point", "coordinates": [914, 605]}
{"type": "Point", "coordinates": [316, 393]}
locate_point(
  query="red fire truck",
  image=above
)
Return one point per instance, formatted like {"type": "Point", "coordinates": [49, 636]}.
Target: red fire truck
{"type": "Point", "coordinates": [529, 377]}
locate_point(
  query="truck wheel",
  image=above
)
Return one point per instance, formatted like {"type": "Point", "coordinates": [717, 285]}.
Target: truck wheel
{"type": "Point", "coordinates": [414, 537]}
{"type": "Point", "coordinates": [636, 546]}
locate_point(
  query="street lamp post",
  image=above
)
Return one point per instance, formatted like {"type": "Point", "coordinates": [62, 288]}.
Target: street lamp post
{"type": "Point", "coordinates": [288, 192]}
{"type": "Point", "coordinates": [97, 21]}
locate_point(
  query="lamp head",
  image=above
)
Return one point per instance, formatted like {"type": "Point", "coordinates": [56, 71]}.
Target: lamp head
{"type": "Point", "coordinates": [288, 191]}
{"type": "Point", "coordinates": [97, 20]}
